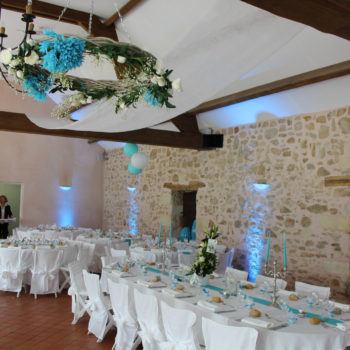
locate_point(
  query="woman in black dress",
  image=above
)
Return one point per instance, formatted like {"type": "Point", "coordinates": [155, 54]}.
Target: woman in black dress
{"type": "Point", "coordinates": [5, 213]}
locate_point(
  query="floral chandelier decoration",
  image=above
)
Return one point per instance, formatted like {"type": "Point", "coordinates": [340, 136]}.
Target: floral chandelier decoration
{"type": "Point", "coordinates": [41, 67]}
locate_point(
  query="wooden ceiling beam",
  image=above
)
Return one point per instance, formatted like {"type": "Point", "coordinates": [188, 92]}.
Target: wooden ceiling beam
{"type": "Point", "coordinates": [129, 6]}
{"type": "Point", "coordinates": [329, 16]}
{"type": "Point", "coordinates": [50, 11]}
{"type": "Point", "coordinates": [18, 122]}
{"type": "Point", "coordinates": [295, 81]}
{"type": "Point", "coordinates": [186, 123]}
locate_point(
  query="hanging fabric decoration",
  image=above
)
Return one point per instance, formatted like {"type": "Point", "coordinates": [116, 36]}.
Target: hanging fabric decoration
{"type": "Point", "coordinates": [41, 67]}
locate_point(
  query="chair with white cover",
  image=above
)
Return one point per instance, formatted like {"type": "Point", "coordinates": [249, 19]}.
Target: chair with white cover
{"type": "Point", "coordinates": [119, 255]}
{"type": "Point", "coordinates": [238, 275]}
{"type": "Point", "coordinates": [281, 284]}
{"type": "Point", "coordinates": [77, 291]}
{"type": "Point", "coordinates": [142, 255]}
{"type": "Point", "coordinates": [86, 254]}
{"type": "Point", "coordinates": [11, 270]}
{"type": "Point", "coordinates": [106, 261]}
{"type": "Point", "coordinates": [124, 316]}
{"type": "Point", "coordinates": [70, 254]}
{"type": "Point", "coordinates": [101, 319]}
{"type": "Point", "coordinates": [179, 329]}
{"type": "Point", "coordinates": [146, 306]}
{"type": "Point", "coordinates": [305, 289]}
{"type": "Point", "coordinates": [223, 337]}
{"type": "Point", "coordinates": [45, 271]}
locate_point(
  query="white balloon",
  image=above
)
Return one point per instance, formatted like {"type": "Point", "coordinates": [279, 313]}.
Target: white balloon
{"type": "Point", "coordinates": [139, 160]}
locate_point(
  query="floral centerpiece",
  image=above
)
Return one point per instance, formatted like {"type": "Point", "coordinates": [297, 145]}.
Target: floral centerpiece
{"type": "Point", "coordinates": [41, 68]}
{"type": "Point", "coordinates": [206, 259]}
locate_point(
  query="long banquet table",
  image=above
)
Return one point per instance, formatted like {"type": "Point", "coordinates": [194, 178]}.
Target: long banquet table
{"type": "Point", "coordinates": [301, 335]}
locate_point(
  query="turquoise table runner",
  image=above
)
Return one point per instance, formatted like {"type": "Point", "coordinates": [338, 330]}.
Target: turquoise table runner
{"type": "Point", "coordinates": [331, 321]}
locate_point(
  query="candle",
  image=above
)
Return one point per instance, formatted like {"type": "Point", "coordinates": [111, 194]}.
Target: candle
{"type": "Point", "coordinates": [267, 257]}
{"type": "Point", "coordinates": [29, 9]}
{"type": "Point", "coordinates": [2, 30]}
{"type": "Point", "coordinates": [171, 235]}
{"type": "Point", "coordinates": [160, 234]}
{"type": "Point", "coordinates": [31, 27]}
{"type": "Point", "coordinates": [284, 252]}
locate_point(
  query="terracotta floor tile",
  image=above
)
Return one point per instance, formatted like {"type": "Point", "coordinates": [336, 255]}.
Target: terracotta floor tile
{"type": "Point", "coordinates": [44, 324]}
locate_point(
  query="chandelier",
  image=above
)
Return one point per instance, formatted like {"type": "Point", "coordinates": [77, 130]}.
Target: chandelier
{"type": "Point", "coordinates": [40, 67]}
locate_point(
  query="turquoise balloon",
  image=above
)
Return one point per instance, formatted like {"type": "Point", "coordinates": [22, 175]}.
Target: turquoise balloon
{"type": "Point", "coordinates": [133, 170]}
{"type": "Point", "coordinates": [130, 149]}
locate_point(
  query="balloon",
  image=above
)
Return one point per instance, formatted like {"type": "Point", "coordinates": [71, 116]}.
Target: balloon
{"type": "Point", "coordinates": [133, 170]}
{"type": "Point", "coordinates": [130, 149]}
{"type": "Point", "coordinates": [139, 160]}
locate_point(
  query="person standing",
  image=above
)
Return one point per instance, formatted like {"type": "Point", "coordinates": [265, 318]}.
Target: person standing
{"type": "Point", "coordinates": [5, 213]}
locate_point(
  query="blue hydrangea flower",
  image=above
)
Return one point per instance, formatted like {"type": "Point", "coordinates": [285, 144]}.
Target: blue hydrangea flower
{"type": "Point", "coordinates": [37, 86]}
{"type": "Point", "coordinates": [150, 98]}
{"type": "Point", "coordinates": [61, 54]}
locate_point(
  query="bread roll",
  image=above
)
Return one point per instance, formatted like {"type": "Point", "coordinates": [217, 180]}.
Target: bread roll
{"type": "Point", "coordinates": [314, 320]}
{"type": "Point", "coordinates": [254, 313]}
{"type": "Point", "coordinates": [216, 300]}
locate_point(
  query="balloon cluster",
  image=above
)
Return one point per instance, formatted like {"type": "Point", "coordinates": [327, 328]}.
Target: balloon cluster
{"type": "Point", "coordinates": [138, 160]}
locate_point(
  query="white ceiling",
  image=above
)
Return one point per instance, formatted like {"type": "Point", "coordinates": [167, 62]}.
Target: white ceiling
{"type": "Point", "coordinates": [217, 47]}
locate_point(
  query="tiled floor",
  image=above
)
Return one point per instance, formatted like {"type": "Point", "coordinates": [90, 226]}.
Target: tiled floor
{"type": "Point", "coordinates": [44, 324]}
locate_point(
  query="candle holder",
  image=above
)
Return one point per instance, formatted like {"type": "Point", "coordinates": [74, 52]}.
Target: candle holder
{"type": "Point", "coordinates": [275, 274]}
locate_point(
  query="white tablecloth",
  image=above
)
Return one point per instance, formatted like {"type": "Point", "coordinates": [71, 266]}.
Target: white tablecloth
{"type": "Point", "coordinates": [300, 336]}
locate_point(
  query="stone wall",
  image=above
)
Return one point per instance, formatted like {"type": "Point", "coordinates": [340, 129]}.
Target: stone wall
{"type": "Point", "coordinates": [293, 155]}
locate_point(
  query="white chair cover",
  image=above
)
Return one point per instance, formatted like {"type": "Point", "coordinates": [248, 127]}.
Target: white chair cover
{"type": "Point", "coordinates": [86, 254]}
{"type": "Point", "coordinates": [148, 317]}
{"type": "Point", "coordinates": [11, 270]}
{"type": "Point", "coordinates": [100, 318]}
{"type": "Point", "coordinates": [70, 254]}
{"type": "Point", "coordinates": [281, 284]}
{"type": "Point", "coordinates": [119, 255]}
{"type": "Point", "coordinates": [77, 291]}
{"type": "Point", "coordinates": [218, 336]}
{"type": "Point", "coordinates": [179, 329]}
{"type": "Point", "coordinates": [124, 315]}
{"type": "Point", "coordinates": [306, 289]}
{"type": "Point", "coordinates": [106, 261]}
{"type": "Point", "coordinates": [45, 272]}
{"type": "Point", "coordinates": [142, 255]}
{"type": "Point", "coordinates": [238, 275]}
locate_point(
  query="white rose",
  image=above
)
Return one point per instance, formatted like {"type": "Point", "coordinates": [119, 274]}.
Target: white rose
{"type": "Point", "coordinates": [15, 62]}
{"type": "Point", "coordinates": [19, 74]}
{"type": "Point", "coordinates": [12, 71]}
{"type": "Point", "coordinates": [121, 59]}
{"type": "Point", "coordinates": [201, 259]}
{"type": "Point", "coordinates": [154, 80]}
{"type": "Point", "coordinates": [161, 81]}
{"type": "Point", "coordinates": [31, 42]}
{"type": "Point", "coordinates": [159, 68]}
{"type": "Point", "coordinates": [176, 85]}
{"type": "Point", "coordinates": [32, 59]}
{"type": "Point", "coordinates": [122, 105]}
{"type": "Point", "coordinates": [6, 56]}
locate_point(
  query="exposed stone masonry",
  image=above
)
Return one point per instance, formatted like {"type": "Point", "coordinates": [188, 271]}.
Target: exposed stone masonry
{"type": "Point", "coordinates": [294, 155]}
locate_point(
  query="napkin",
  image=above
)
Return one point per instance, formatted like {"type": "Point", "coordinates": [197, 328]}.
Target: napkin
{"type": "Point", "coordinates": [342, 307]}
{"type": "Point", "coordinates": [177, 293]}
{"type": "Point", "coordinates": [215, 307]}
{"type": "Point", "coordinates": [345, 326]}
{"type": "Point", "coordinates": [258, 322]}
{"type": "Point", "coordinates": [122, 274]}
{"type": "Point", "coordinates": [148, 284]}
{"type": "Point", "coordinates": [286, 293]}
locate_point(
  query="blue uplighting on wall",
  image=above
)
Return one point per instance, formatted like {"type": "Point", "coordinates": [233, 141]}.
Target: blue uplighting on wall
{"type": "Point", "coordinates": [257, 209]}
{"type": "Point", "coordinates": [65, 214]}
{"type": "Point", "coordinates": [261, 187]}
{"type": "Point", "coordinates": [65, 188]}
{"type": "Point", "coordinates": [133, 211]}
